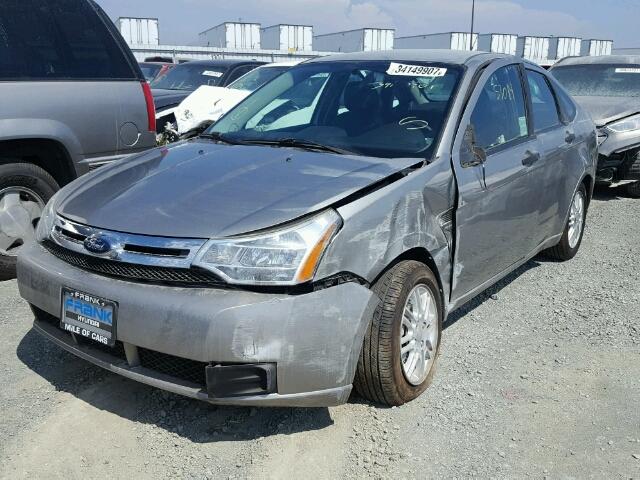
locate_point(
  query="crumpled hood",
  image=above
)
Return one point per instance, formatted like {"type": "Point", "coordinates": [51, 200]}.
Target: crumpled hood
{"type": "Point", "coordinates": [163, 99]}
{"type": "Point", "coordinates": [206, 103]}
{"type": "Point", "coordinates": [201, 189]}
{"type": "Point", "coordinates": [604, 110]}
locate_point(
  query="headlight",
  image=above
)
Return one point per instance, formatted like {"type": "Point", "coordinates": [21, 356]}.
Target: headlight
{"type": "Point", "coordinates": [282, 256]}
{"type": "Point", "coordinates": [626, 124]}
{"type": "Point", "coordinates": [47, 220]}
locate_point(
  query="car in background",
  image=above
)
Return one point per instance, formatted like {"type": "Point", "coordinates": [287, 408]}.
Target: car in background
{"type": "Point", "coordinates": [207, 104]}
{"type": "Point", "coordinates": [73, 98]}
{"type": "Point", "coordinates": [608, 87]}
{"type": "Point", "coordinates": [281, 259]}
{"type": "Point", "coordinates": [171, 89]}
{"type": "Point", "coordinates": [153, 70]}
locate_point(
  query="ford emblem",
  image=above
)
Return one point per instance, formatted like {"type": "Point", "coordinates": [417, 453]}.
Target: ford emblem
{"type": "Point", "coordinates": [97, 244]}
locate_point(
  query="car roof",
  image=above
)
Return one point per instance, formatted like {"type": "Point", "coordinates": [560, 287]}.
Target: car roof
{"type": "Point", "coordinates": [419, 55]}
{"type": "Point", "coordinates": [226, 62]}
{"type": "Point", "coordinates": [599, 60]}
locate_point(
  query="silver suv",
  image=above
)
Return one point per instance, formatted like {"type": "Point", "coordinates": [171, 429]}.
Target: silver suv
{"type": "Point", "coordinates": [73, 98]}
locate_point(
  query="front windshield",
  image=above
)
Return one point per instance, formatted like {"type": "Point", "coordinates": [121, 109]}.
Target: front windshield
{"type": "Point", "coordinates": [599, 80]}
{"type": "Point", "coordinates": [377, 108]}
{"type": "Point", "coordinates": [190, 77]}
{"type": "Point", "coordinates": [257, 77]}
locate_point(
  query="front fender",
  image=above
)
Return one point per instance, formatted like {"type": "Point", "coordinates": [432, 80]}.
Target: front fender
{"type": "Point", "coordinates": [381, 226]}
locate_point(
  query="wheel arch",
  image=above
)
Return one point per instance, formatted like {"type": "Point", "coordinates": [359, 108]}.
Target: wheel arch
{"type": "Point", "coordinates": [422, 255]}
{"type": "Point", "coordinates": [49, 154]}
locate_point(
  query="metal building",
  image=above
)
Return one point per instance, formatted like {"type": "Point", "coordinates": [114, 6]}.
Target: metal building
{"type": "Point", "coordinates": [362, 39]}
{"type": "Point", "coordinates": [498, 43]}
{"type": "Point", "coordinates": [179, 53]}
{"type": "Point", "coordinates": [236, 35]}
{"type": "Point", "coordinates": [448, 40]}
{"type": "Point", "coordinates": [593, 47]}
{"type": "Point", "coordinates": [290, 38]}
{"type": "Point", "coordinates": [139, 31]}
{"type": "Point", "coordinates": [535, 49]}
{"type": "Point", "coordinates": [561, 47]}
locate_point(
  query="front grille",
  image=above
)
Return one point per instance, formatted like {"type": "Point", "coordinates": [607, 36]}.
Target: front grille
{"type": "Point", "coordinates": [183, 368]}
{"type": "Point", "coordinates": [135, 272]}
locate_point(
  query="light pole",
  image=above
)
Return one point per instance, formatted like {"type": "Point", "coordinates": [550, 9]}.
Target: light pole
{"type": "Point", "coordinates": [473, 12]}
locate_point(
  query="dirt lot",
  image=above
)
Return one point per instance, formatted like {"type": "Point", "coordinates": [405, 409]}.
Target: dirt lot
{"type": "Point", "coordinates": [539, 377]}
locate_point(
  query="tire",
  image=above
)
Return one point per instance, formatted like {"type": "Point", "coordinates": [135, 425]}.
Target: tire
{"type": "Point", "coordinates": [380, 376]}
{"type": "Point", "coordinates": [566, 249]}
{"type": "Point", "coordinates": [633, 189]}
{"type": "Point", "coordinates": [35, 180]}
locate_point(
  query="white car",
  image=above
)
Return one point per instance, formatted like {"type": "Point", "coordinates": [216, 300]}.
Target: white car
{"type": "Point", "coordinates": [210, 103]}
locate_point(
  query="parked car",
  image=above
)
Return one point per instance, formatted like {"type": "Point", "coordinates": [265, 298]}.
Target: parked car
{"type": "Point", "coordinates": [172, 88]}
{"type": "Point", "coordinates": [153, 70]}
{"type": "Point", "coordinates": [73, 98]}
{"type": "Point", "coordinates": [608, 87]}
{"type": "Point", "coordinates": [207, 104]}
{"type": "Point", "coordinates": [278, 259]}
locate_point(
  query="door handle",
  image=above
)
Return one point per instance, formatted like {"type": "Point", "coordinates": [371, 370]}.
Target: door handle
{"type": "Point", "coordinates": [530, 158]}
{"type": "Point", "coordinates": [570, 137]}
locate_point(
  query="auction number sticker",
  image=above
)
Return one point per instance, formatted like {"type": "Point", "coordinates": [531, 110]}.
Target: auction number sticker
{"type": "Point", "coordinates": [415, 70]}
{"type": "Point", "coordinates": [212, 73]}
{"type": "Point", "coordinates": [627, 70]}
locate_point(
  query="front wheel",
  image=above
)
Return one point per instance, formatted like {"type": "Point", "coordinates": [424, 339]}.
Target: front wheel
{"type": "Point", "coordinates": [24, 191]}
{"type": "Point", "coordinates": [401, 345]}
{"type": "Point", "coordinates": [571, 238]}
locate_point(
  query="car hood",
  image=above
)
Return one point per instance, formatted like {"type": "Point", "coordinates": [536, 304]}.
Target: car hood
{"type": "Point", "coordinates": [201, 189]}
{"type": "Point", "coordinates": [167, 98]}
{"type": "Point", "coordinates": [605, 110]}
{"type": "Point", "coordinates": [206, 103]}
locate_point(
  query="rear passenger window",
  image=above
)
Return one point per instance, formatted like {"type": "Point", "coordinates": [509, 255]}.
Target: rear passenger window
{"type": "Point", "coordinates": [545, 110]}
{"type": "Point", "coordinates": [500, 115]}
{"type": "Point", "coordinates": [57, 40]}
{"type": "Point", "coordinates": [567, 107]}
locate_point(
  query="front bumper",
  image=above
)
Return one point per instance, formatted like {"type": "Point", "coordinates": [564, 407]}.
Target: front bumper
{"type": "Point", "coordinates": [619, 156]}
{"type": "Point", "coordinates": [314, 339]}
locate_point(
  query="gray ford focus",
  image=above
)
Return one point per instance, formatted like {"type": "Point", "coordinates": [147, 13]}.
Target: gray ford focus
{"type": "Point", "coordinates": [315, 238]}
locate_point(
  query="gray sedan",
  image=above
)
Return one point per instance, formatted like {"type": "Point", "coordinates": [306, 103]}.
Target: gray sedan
{"type": "Point", "coordinates": [316, 238]}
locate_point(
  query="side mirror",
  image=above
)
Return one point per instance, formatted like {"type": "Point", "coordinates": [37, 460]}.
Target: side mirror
{"type": "Point", "coordinates": [471, 155]}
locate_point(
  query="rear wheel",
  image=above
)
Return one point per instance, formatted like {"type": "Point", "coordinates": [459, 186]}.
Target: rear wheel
{"type": "Point", "coordinates": [401, 345]}
{"type": "Point", "coordinates": [24, 191]}
{"type": "Point", "coordinates": [571, 238]}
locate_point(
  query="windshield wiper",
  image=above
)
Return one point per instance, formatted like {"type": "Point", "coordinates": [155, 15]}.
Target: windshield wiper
{"type": "Point", "coordinates": [296, 143]}
{"type": "Point", "coordinates": [218, 137]}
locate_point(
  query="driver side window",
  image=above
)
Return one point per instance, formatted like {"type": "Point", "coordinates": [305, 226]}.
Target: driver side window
{"type": "Point", "coordinates": [499, 116]}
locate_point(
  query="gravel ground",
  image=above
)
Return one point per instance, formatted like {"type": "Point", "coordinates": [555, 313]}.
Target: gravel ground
{"type": "Point", "coordinates": [539, 377]}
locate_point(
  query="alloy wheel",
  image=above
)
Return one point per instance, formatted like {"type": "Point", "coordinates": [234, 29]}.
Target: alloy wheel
{"type": "Point", "coordinates": [576, 219]}
{"type": "Point", "coordinates": [20, 211]}
{"type": "Point", "coordinates": [418, 334]}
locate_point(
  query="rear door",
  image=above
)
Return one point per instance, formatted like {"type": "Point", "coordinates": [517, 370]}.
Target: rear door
{"type": "Point", "coordinates": [558, 145]}
{"type": "Point", "coordinates": [498, 200]}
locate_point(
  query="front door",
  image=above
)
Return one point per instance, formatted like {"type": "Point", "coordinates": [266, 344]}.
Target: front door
{"type": "Point", "coordinates": [498, 199]}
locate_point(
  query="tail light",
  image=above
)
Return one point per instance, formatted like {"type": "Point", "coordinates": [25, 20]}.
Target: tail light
{"type": "Point", "coordinates": [151, 109]}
